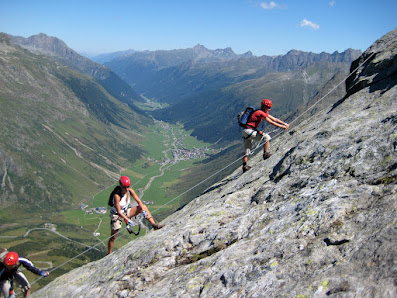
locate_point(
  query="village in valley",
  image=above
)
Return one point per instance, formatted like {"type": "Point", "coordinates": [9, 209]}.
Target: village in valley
{"type": "Point", "coordinates": [180, 151]}
{"type": "Point", "coordinates": [195, 153]}
{"type": "Point", "coordinates": [99, 210]}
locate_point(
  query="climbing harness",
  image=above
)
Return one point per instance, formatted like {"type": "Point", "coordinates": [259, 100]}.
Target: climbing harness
{"type": "Point", "coordinates": [138, 219]}
{"type": "Point", "coordinates": [258, 145]}
{"type": "Point", "coordinates": [129, 229]}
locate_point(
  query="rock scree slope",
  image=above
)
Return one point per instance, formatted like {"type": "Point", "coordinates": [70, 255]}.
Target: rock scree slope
{"type": "Point", "coordinates": [317, 219]}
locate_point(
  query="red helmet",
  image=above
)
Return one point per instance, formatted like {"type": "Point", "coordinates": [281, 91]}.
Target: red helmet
{"type": "Point", "coordinates": [125, 181]}
{"type": "Point", "coordinates": [11, 258]}
{"type": "Point", "coordinates": [267, 103]}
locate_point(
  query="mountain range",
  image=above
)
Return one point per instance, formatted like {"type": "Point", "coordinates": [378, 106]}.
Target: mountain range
{"type": "Point", "coordinates": [170, 76]}
{"type": "Point", "coordinates": [316, 219]}
{"type": "Point", "coordinates": [207, 88]}
{"type": "Point", "coordinates": [70, 126]}
{"type": "Point", "coordinates": [64, 135]}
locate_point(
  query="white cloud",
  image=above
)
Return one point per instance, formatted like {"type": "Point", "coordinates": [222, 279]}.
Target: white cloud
{"type": "Point", "coordinates": [306, 23]}
{"type": "Point", "coordinates": [269, 5]}
{"type": "Point", "coordinates": [332, 3]}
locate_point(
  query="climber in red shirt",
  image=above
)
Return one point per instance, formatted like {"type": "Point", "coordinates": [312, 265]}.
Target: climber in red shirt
{"type": "Point", "coordinates": [251, 133]}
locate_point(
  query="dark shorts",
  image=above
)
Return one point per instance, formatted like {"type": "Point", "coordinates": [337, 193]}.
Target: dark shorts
{"type": "Point", "coordinates": [20, 280]}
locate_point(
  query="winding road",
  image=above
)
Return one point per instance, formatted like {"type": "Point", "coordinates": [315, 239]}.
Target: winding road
{"type": "Point", "coordinates": [167, 163]}
{"type": "Point", "coordinates": [60, 235]}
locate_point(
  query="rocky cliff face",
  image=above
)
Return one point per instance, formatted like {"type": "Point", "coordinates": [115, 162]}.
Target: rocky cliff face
{"type": "Point", "coordinates": [316, 219]}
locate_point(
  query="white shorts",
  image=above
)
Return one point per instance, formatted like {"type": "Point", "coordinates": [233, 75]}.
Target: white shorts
{"type": "Point", "coordinates": [116, 220]}
{"type": "Point", "coordinates": [250, 135]}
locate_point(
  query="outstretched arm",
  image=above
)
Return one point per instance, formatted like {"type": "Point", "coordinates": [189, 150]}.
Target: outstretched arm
{"type": "Point", "coordinates": [32, 268]}
{"type": "Point", "coordinates": [276, 122]}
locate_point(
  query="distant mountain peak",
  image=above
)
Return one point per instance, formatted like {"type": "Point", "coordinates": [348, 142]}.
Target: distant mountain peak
{"type": "Point", "coordinates": [247, 54]}
{"type": "Point", "coordinates": [4, 37]}
{"type": "Point", "coordinates": [294, 52]}
{"type": "Point", "coordinates": [56, 48]}
{"type": "Point", "coordinates": [201, 51]}
{"type": "Point", "coordinates": [46, 44]}
{"type": "Point", "coordinates": [199, 47]}
{"type": "Point", "coordinates": [225, 53]}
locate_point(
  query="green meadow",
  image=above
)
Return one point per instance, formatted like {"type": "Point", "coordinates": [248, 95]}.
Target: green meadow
{"type": "Point", "coordinates": [66, 240]}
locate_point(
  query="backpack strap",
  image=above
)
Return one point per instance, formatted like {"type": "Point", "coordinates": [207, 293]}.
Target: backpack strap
{"type": "Point", "coordinates": [120, 193]}
{"type": "Point", "coordinates": [249, 134]}
{"type": "Point", "coordinates": [250, 116]}
{"type": "Point", "coordinates": [250, 126]}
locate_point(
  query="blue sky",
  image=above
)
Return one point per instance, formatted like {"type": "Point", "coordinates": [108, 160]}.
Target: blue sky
{"type": "Point", "coordinates": [262, 27]}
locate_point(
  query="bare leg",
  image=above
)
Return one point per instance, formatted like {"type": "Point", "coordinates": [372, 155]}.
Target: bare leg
{"type": "Point", "coordinates": [149, 216]}
{"type": "Point", "coordinates": [266, 147]}
{"type": "Point", "coordinates": [113, 235]}
{"type": "Point", "coordinates": [245, 159]}
{"type": "Point", "coordinates": [136, 210]}
{"type": "Point", "coordinates": [266, 153]}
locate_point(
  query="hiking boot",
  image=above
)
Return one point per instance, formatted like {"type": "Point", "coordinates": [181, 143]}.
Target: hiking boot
{"type": "Point", "coordinates": [158, 226]}
{"type": "Point", "coordinates": [246, 168]}
{"type": "Point", "coordinates": [266, 155]}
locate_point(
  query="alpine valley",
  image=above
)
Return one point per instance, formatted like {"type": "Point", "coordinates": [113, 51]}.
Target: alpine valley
{"type": "Point", "coordinates": [71, 126]}
{"type": "Point", "coordinates": [207, 88]}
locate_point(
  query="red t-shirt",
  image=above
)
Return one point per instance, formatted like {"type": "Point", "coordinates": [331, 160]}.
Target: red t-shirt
{"type": "Point", "coordinates": [256, 119]}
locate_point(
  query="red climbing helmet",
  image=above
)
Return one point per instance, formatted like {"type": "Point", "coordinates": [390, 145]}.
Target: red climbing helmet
{"type": "Point", "coordinates": [11, 258]}
{"type": "Point", "coordinates": [267, 103]}
{"type": "Point", "coordinates": [125, 181]}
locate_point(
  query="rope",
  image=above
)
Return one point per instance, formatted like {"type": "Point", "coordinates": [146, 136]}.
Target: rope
{"type": "Point", "coordinates": [227, 166]}
{"type": "Point", "coordinates": [352, 72]}
{"type": "Point", "coordinates": [80, 254]}
{"type": "Point", "coordinates": [261, 143]}
{"type": "Point", "coordinates": [334, 88]}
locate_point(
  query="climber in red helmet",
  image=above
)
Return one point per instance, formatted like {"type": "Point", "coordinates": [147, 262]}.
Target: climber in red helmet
{"type": "Point", "coordinates": [9, 271]}
{"type": "Point", "coordinates": [251, 132]}
{"type": "Point", "coordinates": [121, 210]}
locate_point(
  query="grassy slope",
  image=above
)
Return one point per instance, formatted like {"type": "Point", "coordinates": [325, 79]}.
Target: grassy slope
{"type": "Point", "coordinates": [54, 153]}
